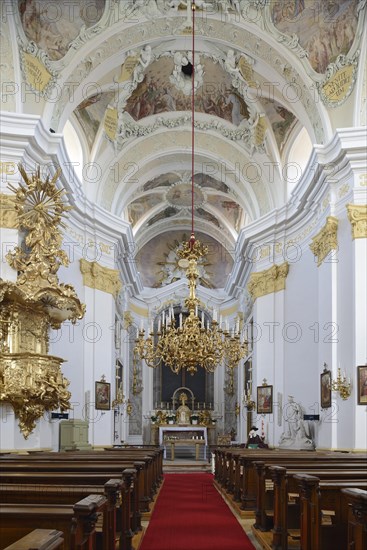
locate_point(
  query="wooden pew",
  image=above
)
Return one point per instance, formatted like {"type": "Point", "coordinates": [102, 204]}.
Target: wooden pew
{"type": "Point", "coordinates": [292, 518]}
{"type": "Point", "coordinates": [39, 539]}
{"type": "Point", "coordinates": [60, 488]}
{"type": "Point", "coordinates": [77, 523]}
{"type": "Point", "coordinates": [357, 518]}
{"type": "Point", "coordinates": [235, 472]}
{"type": "Point", "coordinates": [153, 455]}
{"type": "Point", "coordinates": [265, 483]}
{"type": "Point", "coordinates": [81, 472]}
{"type": "Point", "coordinates": [91, 465]}
{"type": "Point", "coordinates": [150, 469]}
{"type": "Point", "coordinates": [67, 494]}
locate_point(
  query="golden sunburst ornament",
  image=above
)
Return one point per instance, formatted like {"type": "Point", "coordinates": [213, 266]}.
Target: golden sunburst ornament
{"type": "Point", "coordinates": [39, 203]}
{"type": "Point", "coordinates": [40, 209]}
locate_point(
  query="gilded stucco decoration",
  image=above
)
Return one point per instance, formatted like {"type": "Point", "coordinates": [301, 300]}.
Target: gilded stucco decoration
{"type": "Point", "coordinates": [30, 379]}
{"type": "Point", "coordinates": [127, 320]}
{"type": "Point", "coordinates": [268, 281]}
{"type": "Point", "coordinates": [8, 216]}
{"type": "Point", "coordinates": [357, 215]}
{"type": "Point", "coordinates": [99, 277]}
{"type": "Point", "coordinates": [326, 240]}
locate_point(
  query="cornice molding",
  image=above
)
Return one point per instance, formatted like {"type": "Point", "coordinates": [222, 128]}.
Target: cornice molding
{"type": "Point", "coordinates": [357, 215]}
{"type": "Point", "coordinates": [268, 281]}
{"type": "Point", "coordinates": [8, 215]}
{"type": "Point", "coordinates": [325, 240]}
{"type": "Point", "coordinates": [100, 277]}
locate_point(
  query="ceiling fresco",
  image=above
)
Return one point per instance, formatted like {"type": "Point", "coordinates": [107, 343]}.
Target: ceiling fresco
{"type": "Point", "coordinates": [90, 114]}
{"type": "Point", "coordinates": [157, 261]}
{"type": "Point", "coordinates": [168, 212]}
{"type": "Point", "coordinates": [173, 193]}
{"type": "Point", "coordinates": [325, 29]}
{"type": "Point", "coordinates": [282, 121]}
{"type": "Point", "coordinates": [141, 206]}
{"type": "Point", "coordinates": [133, 52]}
{"type": "Point", "coordinates": [53, 25]}
{"type": "Point", "coordinates": [204, 180]}
{"type": "Point", "coordinates": [229, 209]}
{"type": "Point", "coordinates": [163, 180]}
{"type": "Point", "coordinates": [156, 94]}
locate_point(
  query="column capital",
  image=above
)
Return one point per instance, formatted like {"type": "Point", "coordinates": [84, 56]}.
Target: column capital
{"type": "Point", "coordinates": [268, 281]}
{"type": "Point", "coordinates": [325, 240]}
{"type": "Point", "coordinates": [357, 215]}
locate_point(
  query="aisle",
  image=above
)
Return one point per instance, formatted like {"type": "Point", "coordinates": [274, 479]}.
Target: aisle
{"type": "Point", "coordinates": [191, 514]}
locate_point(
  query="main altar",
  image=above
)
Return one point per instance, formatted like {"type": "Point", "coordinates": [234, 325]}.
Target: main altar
{"type": "Point", "coordinates": [181, 425]}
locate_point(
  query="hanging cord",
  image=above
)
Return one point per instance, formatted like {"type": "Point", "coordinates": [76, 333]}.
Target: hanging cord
{"type": "Point", "coordinates": [192, 239]}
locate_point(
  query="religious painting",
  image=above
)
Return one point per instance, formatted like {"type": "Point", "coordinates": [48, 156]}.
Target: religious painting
{"type": "Point", "coordinates": [164, 180]}
{"type": "Point", "coordinates": [227, 207]}
{"type": "Point", "coordinates": [103, 396]}
{"type": "Point", "coordinates": [52, 24]}
{"type": "Point", "coordinates": [158, 94]}
{"type": "Point", "coordinates": [157, 261]}
{"type": "Point", "coordinates": [282, 121]}
{"type": "Point", "coordinates": [325, 388]}
{"type": "Point", "coordinates": [325, 29]}
{"type": "Point", "coordinates": [90, 114]}
{"type": "Point", "coordinates": [139, 207]}
{"type": "Point", "coordinates": [207, 216]}
{"type": "Point", "coordinates": [264, 399]}
{"type": "Point", "coordinates": [203, 180]}
{"type": "Point", "coordinates": [362, 385]}
{"type": "Point", "coordinates": [166, 213]}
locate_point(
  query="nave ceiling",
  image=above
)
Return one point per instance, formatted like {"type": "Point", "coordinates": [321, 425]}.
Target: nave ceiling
{"type": "Point", "coordinates": [117, 75]}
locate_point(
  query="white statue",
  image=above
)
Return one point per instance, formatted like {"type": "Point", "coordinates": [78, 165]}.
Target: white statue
{"type": "Point", "coordinates": [183, 412]}
{"type": "Point", "coordinates": [184, 82]}
{"type": "Point", "coordinates": [142, 64]}
{"type": "Point", "coordinates": [296, 434]}
{"type": "Point", "coordinates": [230, 63]}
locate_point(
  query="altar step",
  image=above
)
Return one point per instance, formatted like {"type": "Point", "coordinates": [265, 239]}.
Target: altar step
{"type": "Point", "coordinates": [182, 465]}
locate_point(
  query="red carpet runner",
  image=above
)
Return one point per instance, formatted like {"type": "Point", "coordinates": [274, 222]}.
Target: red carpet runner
{"type": "Point", "coordinates": [190, 514]}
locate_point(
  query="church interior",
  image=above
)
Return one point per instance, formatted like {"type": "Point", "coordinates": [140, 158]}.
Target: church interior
{"type": "Point", "coordinates": [183, 240]}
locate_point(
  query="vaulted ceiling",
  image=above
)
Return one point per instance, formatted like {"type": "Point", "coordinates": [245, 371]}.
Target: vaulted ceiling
{"type": "Point", "coordinates": [121, 74]}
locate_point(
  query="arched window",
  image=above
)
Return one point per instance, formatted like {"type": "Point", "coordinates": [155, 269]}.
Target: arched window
{"type": "Point", "coordinates": [74, 149]}
{"type": "Point", "coordinates": [298, 157]}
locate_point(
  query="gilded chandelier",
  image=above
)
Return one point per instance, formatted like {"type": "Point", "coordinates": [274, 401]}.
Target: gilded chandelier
{"type": "Point", "coordinates": [191, 344]}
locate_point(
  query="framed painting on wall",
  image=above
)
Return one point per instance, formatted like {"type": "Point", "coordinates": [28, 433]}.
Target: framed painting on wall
{"type": "Point", "coordinates": [264, 399]}
{"type": "Point", "coordinates": [362, 384]}
{"type": "Point", "coordinates": [103, 396]}
{"type": "Point", "coordinates": [325, 389]}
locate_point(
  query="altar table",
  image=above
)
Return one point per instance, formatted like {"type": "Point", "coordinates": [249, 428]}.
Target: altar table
{"type": "Point", "coordinates": [199, 432]}
{"type": "Point", "coordinates": [187, 442]}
